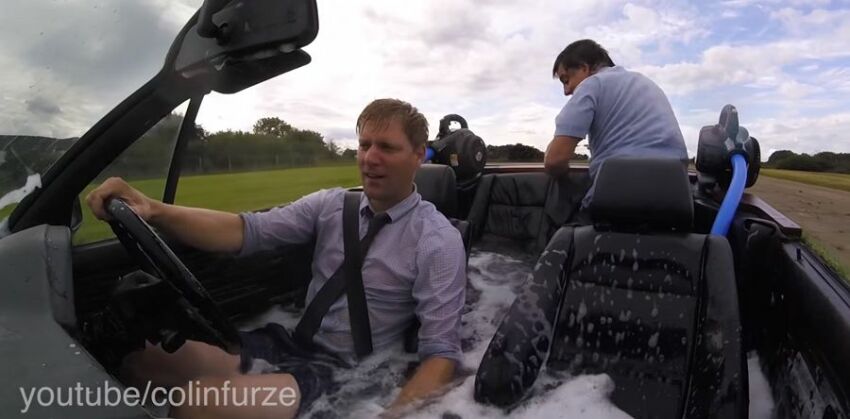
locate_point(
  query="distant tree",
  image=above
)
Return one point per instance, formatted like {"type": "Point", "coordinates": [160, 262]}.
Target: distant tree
{"type": "Point", "coordinates": [202, 133]}
{"type": "Point", "coordinates": [307, 137]}
{"type": "Point", "coordinates": [778, 156]}
{"type": "Point", "coordinates": [349, 154]}
{"type": "Point", "coordinates": [825, 161]}
{"type": "Point", "coordinates": [514, 152]}
{"type": "Point", "coordinates": [273, 126]}
{"type": "Point", "coordinates": [334, 149]}
{"type": "Point", "coordinates": [802, 162]}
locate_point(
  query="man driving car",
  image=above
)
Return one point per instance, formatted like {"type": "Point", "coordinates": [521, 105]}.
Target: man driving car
{"type": "Point", "coordinates": [414, 269]}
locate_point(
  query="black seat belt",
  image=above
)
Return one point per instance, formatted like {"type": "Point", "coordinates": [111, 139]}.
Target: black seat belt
{"type": "Point", "coordinates": [347, 279]}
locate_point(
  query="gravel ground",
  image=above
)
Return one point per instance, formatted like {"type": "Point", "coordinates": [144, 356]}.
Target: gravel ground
{"type": "Point", "coordinates": [823, 213]}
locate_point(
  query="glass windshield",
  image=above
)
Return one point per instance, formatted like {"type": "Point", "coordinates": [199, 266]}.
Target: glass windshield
{"type": "Point", "coordinates": [63, 66]}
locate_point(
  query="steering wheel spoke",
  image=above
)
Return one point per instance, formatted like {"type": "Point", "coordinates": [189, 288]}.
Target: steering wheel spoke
{"type": "Point", "coordinates": [200, 315]}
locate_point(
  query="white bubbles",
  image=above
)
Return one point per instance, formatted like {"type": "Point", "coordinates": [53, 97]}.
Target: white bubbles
{"type": "Point", "coordinates": [653, 340]}
{"type": "Point", "coordinates": [494, 277]}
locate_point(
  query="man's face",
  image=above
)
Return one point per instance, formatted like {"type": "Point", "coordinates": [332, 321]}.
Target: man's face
{"type": "Point", "coordinates": [572, 77]}
{"type": "Point", "coordinates": [387, 162]}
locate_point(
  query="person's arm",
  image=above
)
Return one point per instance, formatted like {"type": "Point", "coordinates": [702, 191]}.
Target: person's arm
{"type": "Point", "coordinates": [571, 126]}
{"type": "Point", "coordinates": [205, 229]}
{"type": "Point", "coordinates": [559, 153]}
{"type": "Point", "coordinates": [209, 230]}
{"type": "Point", "coordinates": [219, 231]}
{"type": "Point", "coordinates": [440, 292]}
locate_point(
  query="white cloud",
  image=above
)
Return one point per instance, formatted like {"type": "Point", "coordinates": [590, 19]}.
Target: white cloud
{"type": "Point", "coordinates": [807, 135]}
{"type": "Point", "coordinates": [796, 90]}
{"type": "Point", "coordinates": [737, 4]}
{"type": "Point", "coordinates": [817, 35]}
{"type": "Point", "coordinates": [756, 65]}
{"type": "Point", "coordinates": [79, 59]}
{"type": "Point", "coordinates": [647, 26]}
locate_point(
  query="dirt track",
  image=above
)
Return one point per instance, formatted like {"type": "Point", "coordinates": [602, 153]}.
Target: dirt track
{"type": "Point", "coordinates": [823, 213]}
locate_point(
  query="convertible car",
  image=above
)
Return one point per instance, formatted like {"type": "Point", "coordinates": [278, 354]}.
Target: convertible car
{"type": "Point", "coordinates": [646, 291]}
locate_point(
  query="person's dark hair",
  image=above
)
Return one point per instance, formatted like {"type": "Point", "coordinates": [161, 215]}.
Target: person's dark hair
{"type": "Point", "coordinates": [585, 51]}
{"type": "Point", "coordinates": [383, 111]}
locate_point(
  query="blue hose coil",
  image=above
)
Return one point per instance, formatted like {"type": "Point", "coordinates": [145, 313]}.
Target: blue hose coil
{"type": "Point", "coordinates": [733, 196]}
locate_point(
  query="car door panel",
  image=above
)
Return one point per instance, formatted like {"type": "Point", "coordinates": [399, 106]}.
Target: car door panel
{"type": "Point", "coordinates": [37, 322]}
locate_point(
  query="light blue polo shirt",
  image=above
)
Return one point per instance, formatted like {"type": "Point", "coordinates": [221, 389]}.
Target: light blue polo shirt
{"type": "Point", "coordinates": [623, 113]}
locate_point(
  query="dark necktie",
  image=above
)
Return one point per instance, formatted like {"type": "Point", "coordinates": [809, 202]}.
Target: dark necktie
{"type": "Point", "coordinates": [333, 290]}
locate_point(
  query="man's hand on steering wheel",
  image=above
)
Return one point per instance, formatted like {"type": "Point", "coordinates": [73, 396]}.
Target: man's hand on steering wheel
{"type": "Point", "coordinates": [154, 256]}
{"type": "Point", "coordinates": [115, 187]}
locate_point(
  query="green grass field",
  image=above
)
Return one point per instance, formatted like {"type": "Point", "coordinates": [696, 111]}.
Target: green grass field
{"type": "Point", "coordinates": [248, 191]}
{"type": "Point", "coordinates": [829, 180]}
{"type": "Point", "coordinates": [828, 256]}
{"type": "Point", "coordinates": [232, 192]}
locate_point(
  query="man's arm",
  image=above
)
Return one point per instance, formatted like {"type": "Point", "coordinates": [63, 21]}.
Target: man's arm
{"type": "Point", "coordinates": [559, 153]}
{"type": "Point", "coordinates": [205, 229]}
{"type": "Point", "coordinates": [209, 230]}
{"type": "Point", "coordinates": [434, 373]}
{"type": "Point", "coordinates": [440, 292]}
{"type": "Point", "coordinates": [571, 126]}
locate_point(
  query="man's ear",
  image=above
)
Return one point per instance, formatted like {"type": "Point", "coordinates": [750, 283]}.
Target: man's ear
{"type": "Point", "coordinates": [420, 153]}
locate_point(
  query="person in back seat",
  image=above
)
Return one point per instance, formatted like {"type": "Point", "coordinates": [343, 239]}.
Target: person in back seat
{"type": "Point", "coordinates": [623, 113]}
{"type": "Point", "coordinates": [415, 268]}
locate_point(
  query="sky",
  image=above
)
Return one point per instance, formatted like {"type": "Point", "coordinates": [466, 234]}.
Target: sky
{"type": "Point", "coordinates": [784, 64]}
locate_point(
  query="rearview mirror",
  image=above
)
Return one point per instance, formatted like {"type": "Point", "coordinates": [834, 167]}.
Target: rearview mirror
{"type": "Point", "coordinates": [229, 46]}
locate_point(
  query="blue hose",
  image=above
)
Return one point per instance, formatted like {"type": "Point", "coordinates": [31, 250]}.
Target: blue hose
{"type": "Point", "coordinates": [733, 196]}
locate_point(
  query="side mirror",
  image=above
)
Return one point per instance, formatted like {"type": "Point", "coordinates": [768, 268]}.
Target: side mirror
{"type": "Point", "coordinates": [230, 46]}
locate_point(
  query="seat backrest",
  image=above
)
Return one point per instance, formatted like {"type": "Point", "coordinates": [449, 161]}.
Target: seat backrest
{"type": "Point", "coordinates": [639, 298]}
{"type": "Point", "coordinates": [665, 298]}
{"type": "Point", "coordinates": [436, 183]}
{"type": "Point", "coordinates": [524, 207]}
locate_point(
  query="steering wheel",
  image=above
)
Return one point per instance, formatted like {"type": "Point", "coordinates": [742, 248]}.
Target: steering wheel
{"type": "Point", "coordinates": [157, 259]}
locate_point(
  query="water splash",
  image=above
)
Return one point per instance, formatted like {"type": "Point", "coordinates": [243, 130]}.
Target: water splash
{"type": "Point", "coordinates": [495, 276]}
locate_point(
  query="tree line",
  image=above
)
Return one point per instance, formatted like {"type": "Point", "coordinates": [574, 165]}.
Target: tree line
{"type": "Point", "coordinates": [826, 161]}
{"type": "Point", "coordinates": [519, 153]}
{"type": "Point", "coordinates": [271, 144]}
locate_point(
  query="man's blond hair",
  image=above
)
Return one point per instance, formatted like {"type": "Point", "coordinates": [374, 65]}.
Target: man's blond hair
{"type": "Point", "coordinates": [381, 112]}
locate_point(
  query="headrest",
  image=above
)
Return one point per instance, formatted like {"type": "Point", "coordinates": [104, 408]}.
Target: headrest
{"type": "Point", "coordinates": [632, 193]}
{"type": "Point", "coordinates": [436, 184]}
